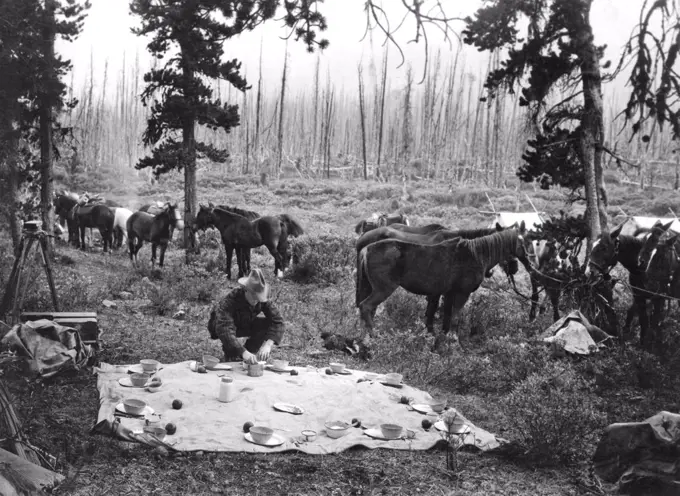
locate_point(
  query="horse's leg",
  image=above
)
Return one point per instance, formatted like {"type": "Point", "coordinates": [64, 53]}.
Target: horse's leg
{"type": "Point", "coordinates": [103, 232]}
{"type": "Point", "coordinates": [131, 249]}
{"type": "Point", "coordinates": [153, 254]}
{"type": "Point", "coordinates": [555, 300]}
{"type": "Point", "coordinates": [164, 246]}
{"type": "Point", "coordinates": [229, 252]}
{"type": "Point", "coordinates": [246, 260]}
{"type": "Point", "coordinates": [641, 304]}
{"type": "Point", "coordinates": [82, 239]}
{"type": "Point", "coordinates": [432, 305]}
{"type": "Point", "coordinates": [453, 304]}
{"type": "Point", "coordinates": [380, 291]}
{"type": "Point", "coordinates": [534, 297]}
{"type": "Point", "coordinates": [283, 252]}
{"type": "Point", "coordinates": [278, 263]}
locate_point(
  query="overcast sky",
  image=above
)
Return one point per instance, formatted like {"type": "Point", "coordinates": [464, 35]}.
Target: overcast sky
{"type": "Point", "coordinates": [107, 36]}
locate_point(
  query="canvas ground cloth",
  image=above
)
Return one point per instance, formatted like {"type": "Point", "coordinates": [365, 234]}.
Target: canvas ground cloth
{"type": "Point", "coordinates": [642, 457]}
{"type": "Point", "coordinates": [204, 423]}
{"type": "Point", "coordinates": [48, 347]}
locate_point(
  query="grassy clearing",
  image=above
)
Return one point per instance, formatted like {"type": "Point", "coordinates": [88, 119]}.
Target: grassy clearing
{"type": "Point", "coordinates": [552, 410]}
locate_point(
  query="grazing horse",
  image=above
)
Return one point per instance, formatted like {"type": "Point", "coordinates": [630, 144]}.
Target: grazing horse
{"type": "Point", "coordinates": [121, 216]}
{"type": "Point", "coordinates": [238, 232]}
{"type": "Point", "coordinates": [612, 248]}
{"type": "Point", "coordinates": [380, 220]}
{"type": "Point", "coordinates": [155, 229]}
{"type": "Point", "coordinates": [454, 268]}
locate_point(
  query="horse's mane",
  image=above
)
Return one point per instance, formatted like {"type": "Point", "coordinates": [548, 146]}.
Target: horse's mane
{"type": "Point", "coordinates": [228, 213]}
{"type": "Point", "coordinates": [475, 233]}
{"type": "Point", "coordinates": [248, 214]}
{"type": "Point", "coordinates": [493, 247]}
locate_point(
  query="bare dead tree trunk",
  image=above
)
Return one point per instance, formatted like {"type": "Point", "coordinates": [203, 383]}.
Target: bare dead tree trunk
{"type": "Point", "coordinates": [279, 145]}
{"type": "Point", "coordinates": [258, 111]}
{"type": "Point", "coordinates": [363, 119]}
{"type": "Point", "coordinates": [315, 110]}
{"type": "Point", "coordinates": [383, 90]}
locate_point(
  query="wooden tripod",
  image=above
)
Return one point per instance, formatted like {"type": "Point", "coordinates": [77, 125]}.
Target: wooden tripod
{"type": "Point", "coordinates": [15, 291]}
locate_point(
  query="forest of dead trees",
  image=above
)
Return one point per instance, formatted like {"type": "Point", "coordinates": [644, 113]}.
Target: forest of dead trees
{"type": "Point", "coordinates": [374, 129]}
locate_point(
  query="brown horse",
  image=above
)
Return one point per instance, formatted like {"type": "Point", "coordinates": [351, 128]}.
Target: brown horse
{"type": "Point", "coordinates": [454, 268]}
{"type": "Point", "coordinates": [238, 232]}
{"type": "Point", "coordinates": [433, 237]}
{"type": "Point", "coordinates": [380, 220]}
{"type": "Point", "coordinates": [244, 252]}
{"type": "Point", "coordinates": [155, 229]}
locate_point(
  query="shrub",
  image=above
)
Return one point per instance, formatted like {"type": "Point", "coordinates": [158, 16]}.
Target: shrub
{"type": "Point", "coordinates": [498, 366]}
{"type": "Point", "coordinates": [553, 415]}
{"type": "Point", "coordinates": [324, 258]}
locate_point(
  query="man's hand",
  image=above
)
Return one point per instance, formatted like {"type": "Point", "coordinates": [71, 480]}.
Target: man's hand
{"type": "Point", "coordinates": [265, 350]}
{"type": "Point", "coordinates": [249, 358]}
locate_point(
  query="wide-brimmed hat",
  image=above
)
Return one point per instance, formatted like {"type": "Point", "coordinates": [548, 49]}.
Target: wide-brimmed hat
{"type": "Point", "coordinates": [256, 284]}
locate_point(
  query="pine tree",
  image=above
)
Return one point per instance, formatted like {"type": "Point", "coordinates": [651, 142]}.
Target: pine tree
{"type": "Point", "coordinates": [189, 35]}
{"type": "Point", "coordinates": [558, 50]}
{"type": "Point", "coordinates": [31, 90]}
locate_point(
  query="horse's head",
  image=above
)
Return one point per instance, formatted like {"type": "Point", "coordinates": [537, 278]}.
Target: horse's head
{"type": "Point", "coordinates": [605, 252]}
{"type": "Point", "coordinates": [651, 242]}
{"type": "Point", "coordinates": [170, 209]}
{"type": "Point", "coordinates": [204, 217]}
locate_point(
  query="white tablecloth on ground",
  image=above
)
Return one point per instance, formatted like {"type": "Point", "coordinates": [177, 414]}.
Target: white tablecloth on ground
{"type": "Point", "coordinates": [204, 423]}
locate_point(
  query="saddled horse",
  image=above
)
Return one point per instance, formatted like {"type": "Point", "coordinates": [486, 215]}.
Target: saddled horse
{"type": "Point", "coordinates": [454, 268]}
{"type": "Point", "coordinates": [239, 232]}
{"type": "Point", "coordinates": [157, 207]}
{"type": "Point", "coordinates": [612, 248]}
{"type": "Point", "coordinates": [380, 220]}
{"type": "Point", "coordinates": [97, 216]}
{"type": "Point", "coordinates": [154, 229]}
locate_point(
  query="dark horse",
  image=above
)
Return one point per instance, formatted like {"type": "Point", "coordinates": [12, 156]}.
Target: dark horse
{"type": "Point", "coordinates": [156, 208]}
{"type": "Point", "coordinates": [245, 252]}
{"type": "Point", "coordinates": [99, 216]}
{"type": "Point", "coordinates": [155, 229]}
{"type": "Point", "coordinates": [435, 234]}
{"type": "Point", "coordinates": [380, 220]}
{"type": "Point", "coordinates": [239, 232]}
{"type": "Point", "coordinates": [63, 207]}
{"type": "Point", "coordinates": [612, 248]}
{"type": "Point", "coordinates": [454, 268]}
{"type": "Point", "coordinates": [659, 259]}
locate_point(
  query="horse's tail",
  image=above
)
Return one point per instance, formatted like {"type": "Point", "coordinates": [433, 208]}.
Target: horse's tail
{"type": "Point", "coordinates": [292, 226]}
{"type": "Point", "coordinates": [359, 228]}
{"type": "Point", "coordinates": [363, 289]}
